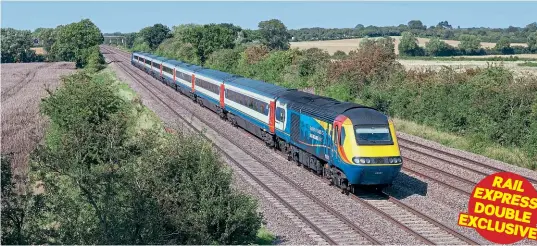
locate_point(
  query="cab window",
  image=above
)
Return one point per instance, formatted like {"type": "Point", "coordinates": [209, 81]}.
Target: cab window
{"type": "Point", "coordinates": [373, 135]}
{"type": "Point", "coordinates": [342, 137]}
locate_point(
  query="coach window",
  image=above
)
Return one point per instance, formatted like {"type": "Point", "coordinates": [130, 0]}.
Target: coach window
{"type": "Point", "coordinates": [167, 69]}
{"type": "Point", "coordinates": [280, 114]}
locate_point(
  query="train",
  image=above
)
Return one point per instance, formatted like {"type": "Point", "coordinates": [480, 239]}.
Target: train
{"type": "Point", "coordinates": [349, 144]}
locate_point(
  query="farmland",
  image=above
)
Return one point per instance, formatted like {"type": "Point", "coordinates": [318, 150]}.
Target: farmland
{"type": "Point", "coordinates": [347, 45]}
{"type": "Point", "coordinates": [23, 85]}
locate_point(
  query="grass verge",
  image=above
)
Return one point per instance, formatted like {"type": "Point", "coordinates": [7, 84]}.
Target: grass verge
{"type": "Point", "coordinates": [265, 237]}
{"type": "Point", "coordinates": [510, 155]}
{"type": "Point", "coordinates": [528, 64]}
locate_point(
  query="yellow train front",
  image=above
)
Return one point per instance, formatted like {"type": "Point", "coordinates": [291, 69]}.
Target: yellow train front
{"type": "Point", "coordinates": [350, 144]}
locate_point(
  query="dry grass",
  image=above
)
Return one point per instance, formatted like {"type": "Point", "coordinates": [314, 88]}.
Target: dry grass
{"type": "Point", "coordinates": [39, 50]}
{"type": "Point", "coordinates": [347, 45]}
{"type": "Point", "coordinates": [23, 86]}
{"type": "Point", "coordinates": [510, 155]}
{"type": "Point", "coordinates": [461, 65]}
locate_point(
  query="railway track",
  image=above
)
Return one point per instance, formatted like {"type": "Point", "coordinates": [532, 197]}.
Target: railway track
{"type": "Point", "coordinates": [422, 149]}
{"type": "Point", "coordinates": [423, 227]}
{"type": "Point", "coordinates": [329, 225]}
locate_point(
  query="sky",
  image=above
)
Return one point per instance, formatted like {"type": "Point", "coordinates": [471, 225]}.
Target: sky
{"type": "Point", "coordinates": [132, 16]}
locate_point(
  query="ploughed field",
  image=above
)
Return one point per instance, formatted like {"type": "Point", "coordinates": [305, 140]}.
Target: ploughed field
{"type": "Point", "coordinates": [23, 86]}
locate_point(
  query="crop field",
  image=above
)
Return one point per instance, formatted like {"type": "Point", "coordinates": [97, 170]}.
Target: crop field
{"type": "Point", "coordinates": [461, 65]}
{"type": "Point", "coordinates": [347, 45]}
{"type": "Point", "coordinates": [23, 86]}
{"type": "Point", "coordinates": [39, 50]}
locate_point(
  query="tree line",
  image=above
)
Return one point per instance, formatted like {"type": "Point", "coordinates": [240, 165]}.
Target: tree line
{"type": "Point", "coordinates": [442, 30]}
{"type": "Point", "coordinates": [469, 45]}
{"type": "Point", "coordinates": [76, 42]}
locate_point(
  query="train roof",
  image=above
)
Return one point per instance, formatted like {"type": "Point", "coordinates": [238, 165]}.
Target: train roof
{"type": "Point", "coordinates": [189, 67]}
{"type": "Point", "coordinates": [215, 74]}
{"type": "Point", "coordinates": [318, 106]}
{"type": "Point", "coordinates": [175, 62]}
{"type": "Point", "coordinates": [259, 87]}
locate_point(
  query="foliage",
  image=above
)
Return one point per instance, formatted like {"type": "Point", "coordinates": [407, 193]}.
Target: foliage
{"type": "Point", "coordinates": [339, 54]}
{"type": "Point", "coordinates": [532, 42]}
{"type": "Point", "coordinates": [437, 47]}
{"type": "Point", "coordinates": [176, 49]}
{"type": "Point", "coordinates": [442, 30]}
{"type": "Point", "coordinates": [73, 39]}
{"type": "Point", "coordinates": [470, 44]}
{"type": "Point", "coordinates": [274, 34]}
{"type": "Point", "coordinates": [208, 38]}
{"type": "Point", "coordinates": [140, 45]}
{"type": "Point", "coordinates": [195, 197]}
{"type": "Point", "coordinates": [224, 60]}
{"type": "Point", "coordinates": [47, 37]}
{"type": "Point", "coordinates": [528, 64]}
{"type": "Point", "coordinates": [504, 46]}
{"type": "Point", "coordinates": [107, 181]}
{"type": "Point", "coordinates": [409, 45]}
{"type": "Point", "coordinates": [154, 35]}
{"type": "Point", "coordinates": [312, 60]}
{"type": "Point", "coordinates": [16, 46]}
{"type": "Point", "coordinates": [416, 24]}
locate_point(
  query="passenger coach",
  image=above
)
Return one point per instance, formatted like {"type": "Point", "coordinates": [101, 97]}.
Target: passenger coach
{"type": "Point", "coordinates": [349, 144]}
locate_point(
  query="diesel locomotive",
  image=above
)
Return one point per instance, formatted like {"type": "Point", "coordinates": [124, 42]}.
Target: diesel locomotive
{"type": "Point", "coordinates": [351, 145]}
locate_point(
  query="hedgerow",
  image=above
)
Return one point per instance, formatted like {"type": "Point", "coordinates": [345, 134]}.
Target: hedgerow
{"type": "Point", "coordinates": [106, 180]}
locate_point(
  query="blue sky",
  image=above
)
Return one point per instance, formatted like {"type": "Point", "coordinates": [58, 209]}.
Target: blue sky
{"type": "Point", "coordinates": [127, 16]}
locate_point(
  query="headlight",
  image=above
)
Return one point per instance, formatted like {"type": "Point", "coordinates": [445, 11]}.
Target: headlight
{"type": "Point", "coordinates": [391, 160]}
{"type": "Point", "coordinates": [361, 160]}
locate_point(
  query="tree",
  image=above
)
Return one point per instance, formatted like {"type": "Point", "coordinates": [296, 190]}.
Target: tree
{"type": "Point", "coordinates": [416, 25]}
{"type": "Point", "coordinates": [47, 37]}
{"type": "Point", "coordinates": [339, 54]}
{"type": "Point", "coordinates": [504, 46]}
{"type": "Point", "coordinates": [408, 45]}
{"type": "Point", "coordinates": [16, 46]}
{"type": "Point", "coordinates": [532, 42]}
{"type": "Point", "coordinates": [180, 30]}
{"type": "Point", "coordinates": [72, 39]}
{"type": "Point", "coordinates": [208, 38]}
{"type": "Point", "coordinates": [154, 35]}
{"type": "Point", "coordinates": [109, 182]}
{"type": "Point", "coordinates": [444, 24]}
{"type": "Point", "coordinates": [129, 39]}
{"type": "Point", "coordinates": [437, 47]}
{"type": "Point", "coordinates": [470, 44]}
{"type": "Point", "coordinates": [532, 27]}
{"type": "Point", "coordinates": [312, 60]}
{"type": "Point", "coordinates": [274, 34]}
{"type": "Point", "coordinates": [224, 60]}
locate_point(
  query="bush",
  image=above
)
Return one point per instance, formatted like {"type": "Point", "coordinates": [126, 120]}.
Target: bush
{"type": "Point", "coordinates": [408, 45]}
{"type": "Point", "coordinates": [106, 181]}
{"type": "Point", "coordinates": [225, 60]}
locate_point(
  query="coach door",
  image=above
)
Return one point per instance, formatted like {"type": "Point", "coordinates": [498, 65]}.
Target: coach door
{"type": "Point", "coordinates": [335, 140]}
{"type": "Point", "coordinates": [281, 115]}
